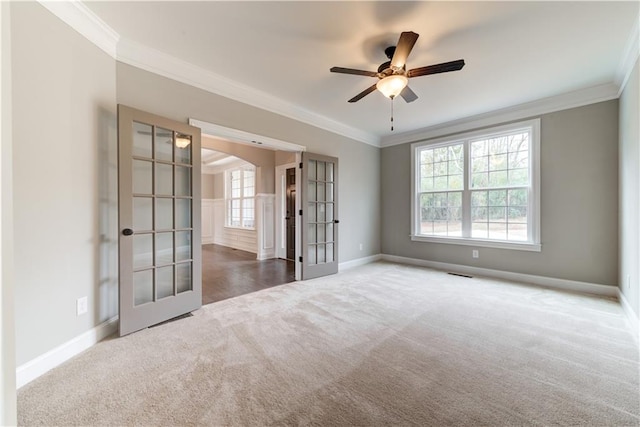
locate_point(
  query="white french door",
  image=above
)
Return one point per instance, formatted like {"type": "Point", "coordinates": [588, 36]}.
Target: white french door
{"type": "Point", "coordinates": [159, 219]}
{"type": "Point", "coordinates": [319, 215]}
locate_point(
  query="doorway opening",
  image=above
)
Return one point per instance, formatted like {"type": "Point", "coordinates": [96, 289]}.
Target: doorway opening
{"type": "Point", "coordinates": [238, 218]}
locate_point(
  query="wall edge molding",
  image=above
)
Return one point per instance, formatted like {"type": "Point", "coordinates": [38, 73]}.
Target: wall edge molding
{"type": "Point", "coordinates": [538, 107]}
{"type": "Point", "coordinates": [42, 364]}
{"type": "Point", "coordinates": [629, 57]}
{"type": "Point", "coordinates": [358, 262]}
{"type": "Point", "coordinates": [544, 281]}
{"type": "Point", "coordinates": [82, 19]}
{"type": "Point", "coordinates": [632, 319]}
{"type": "Point", "coordinates": [165, 65]}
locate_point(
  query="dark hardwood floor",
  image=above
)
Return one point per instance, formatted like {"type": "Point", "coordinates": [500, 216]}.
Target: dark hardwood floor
{"type": "Point", "coordinates": [228, 273]}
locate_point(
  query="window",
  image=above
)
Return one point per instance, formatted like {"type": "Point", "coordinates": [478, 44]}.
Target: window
{"type": "Point", "coordinates": [480, 188]}
{"type": "Point", "coordinates": [239, 195]}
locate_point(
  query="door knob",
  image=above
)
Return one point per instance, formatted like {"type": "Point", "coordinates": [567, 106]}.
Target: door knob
{"type": "Point", "coordinates": [127, 232]}
{"type": "Point", "coordinates": [336, 221]}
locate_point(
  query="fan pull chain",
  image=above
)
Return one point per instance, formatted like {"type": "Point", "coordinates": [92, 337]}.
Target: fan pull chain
{"type": "Point", "coordinates": [392, 113]}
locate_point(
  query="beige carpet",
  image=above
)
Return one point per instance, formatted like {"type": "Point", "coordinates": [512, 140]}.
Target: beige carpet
{"type": "Point", "coordinates": [381, 344]}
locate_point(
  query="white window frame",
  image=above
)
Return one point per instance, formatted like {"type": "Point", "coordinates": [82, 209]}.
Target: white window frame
{"type": "Point", "coordinates": [533, 229]}
{"type": "Point", "coordinates": [228, 199]}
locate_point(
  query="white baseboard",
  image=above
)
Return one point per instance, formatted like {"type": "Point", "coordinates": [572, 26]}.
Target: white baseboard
{"type": "Point", "coordinates": [359, 261]}
{"type": "Point", "coordinates": [55, 357]}
{"type": "Point", "coordinates": [549, 282]}
{"type": "Point", "coordinates": [632, 319]}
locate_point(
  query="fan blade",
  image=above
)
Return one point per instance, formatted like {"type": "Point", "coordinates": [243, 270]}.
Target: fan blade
{"type": "Point", "coordinates": [403, 49]}
{"type": "Point", "coordinates": [362, 94]}
{"type": "Point", "coordinates": [445, 67]}
{"type": "Point", "coordinates": [353, 71]}
{"type": "Point", "coordinates": [408, 95]}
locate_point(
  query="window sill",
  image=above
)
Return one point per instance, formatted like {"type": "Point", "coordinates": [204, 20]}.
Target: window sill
{"type": "Point", "coordinates": [231, 227]}
{"type": "Point", "coordinates": [524, 246]}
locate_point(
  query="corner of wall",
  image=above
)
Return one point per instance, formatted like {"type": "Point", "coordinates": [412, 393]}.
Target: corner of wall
{"type": "Point", "coordinates": [8, 412]}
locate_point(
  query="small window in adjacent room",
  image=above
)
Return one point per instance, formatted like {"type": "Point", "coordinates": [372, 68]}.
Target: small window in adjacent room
{"type": "Point", "coordinates": [479, 188]}
{"type": "Point", "coordinates": [239, 197]}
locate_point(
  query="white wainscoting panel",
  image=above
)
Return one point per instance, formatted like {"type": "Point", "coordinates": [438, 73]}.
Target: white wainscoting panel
{"type": "Point", "coordinates": [236, 238]}
{"type": "Point", "coordinates": [207, 221]}
{"type": "Point", "coordinates": [265, 225]}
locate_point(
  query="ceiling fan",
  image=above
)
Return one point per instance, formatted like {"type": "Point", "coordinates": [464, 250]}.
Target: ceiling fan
{"type": "Point", "coordinates": [393, 75]}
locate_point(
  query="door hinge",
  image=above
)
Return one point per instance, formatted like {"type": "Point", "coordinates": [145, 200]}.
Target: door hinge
{"type": "Point", "coordinates": [300, 259]}
{"type": "Point", "coordinates": [300, 211]}
{"type": "Point", "coordinates": [300, 165]}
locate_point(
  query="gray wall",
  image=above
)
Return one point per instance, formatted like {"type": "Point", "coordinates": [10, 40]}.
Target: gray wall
{"type": "Point", "coordinates": [629, 181]}
{"type": "Point", "coordinates": [359, 194]}
{"type": "Point", "coordinates": [65, 182]}
{"type": "Point", "coordinates": [208, 186]}
{"type": "Point", "coordinates": [579, 223]}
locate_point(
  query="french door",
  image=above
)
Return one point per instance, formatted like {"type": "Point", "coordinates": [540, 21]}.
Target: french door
{"type": "Point", "coordinates": [159, 219]}
{"type": "Point", "coordinates": [319, 215]}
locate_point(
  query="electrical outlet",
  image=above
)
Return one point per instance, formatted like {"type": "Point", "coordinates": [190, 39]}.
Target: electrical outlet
{"type": "Point", "coordinates": [628, 281]}
{"type": "Point", "coordinates": [475, 253]}
{"type": "Point", "coordinates": [81, 306]}
{"type": "Point", "coordinates": [361, 246]}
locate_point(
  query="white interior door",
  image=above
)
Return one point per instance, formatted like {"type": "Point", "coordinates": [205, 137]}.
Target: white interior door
{"type": "Point", "coordinates": [159, 219]}
{"type": "Point", "coordinates": [319, 215]}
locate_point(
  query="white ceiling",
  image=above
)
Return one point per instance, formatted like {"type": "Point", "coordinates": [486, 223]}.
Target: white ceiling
{"type": "Point", "coordinates": [515, 52]}
{"type": "Point", "coordinates": [215, 161]}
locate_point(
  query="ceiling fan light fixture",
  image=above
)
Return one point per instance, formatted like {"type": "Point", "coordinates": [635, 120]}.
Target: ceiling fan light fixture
{"type": "Point", "coordinates": [391, 86]}
{"type": "Point", "coordinates": [182, 141]}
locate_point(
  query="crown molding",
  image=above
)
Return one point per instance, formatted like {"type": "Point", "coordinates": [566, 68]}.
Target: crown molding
{"type": "Point", "coordinates": [564, 101]}
{"type": "Point", "coordinates": [629, 56]}
{"type": "Point", "coordinates": [169, 66]}
{"type": "Point", "coordinates": [79, 17]}
{"type": "Point", "coordinates": [82, 19]}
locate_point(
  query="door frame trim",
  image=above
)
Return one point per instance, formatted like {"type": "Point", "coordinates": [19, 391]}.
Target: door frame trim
{"type": "Point", "coordinates": [252, 139]}
{"type": "Point", "coordinates": [281, 171]}
{"type": "Point", "coordinates": [247, 138]}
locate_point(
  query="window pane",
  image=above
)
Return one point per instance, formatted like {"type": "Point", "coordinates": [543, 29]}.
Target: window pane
{"type": "Point", "coordinates": [164, 282]}
{"type": "Point", "coordinates": [517, 232]}
{"type": "Point", "coordinates": [519, 177]}
{"type": "Point", "coordinates": [183, 245]}
{"type": "Point", "coordinates": [320, 175]}
{"type": "Point", "coordinates": [183, 148]}
{"type": "Point", "coordinates": [426, 184]}
{"type": "Point", "coordinates": [479, 230]}
{"type": "Point", "coordinates": [312, 170]}
{"type": "Point", "coordinates": [479, 180]}
{"type": "Point", "coordinates": [478, 198]}
{"type": "Point", "coordinates": [164, 248]}
{"type": "Point", "coordinates": [440, 183]}
{"type": "Point", "coordinates": [497, 198]}
{"type": "Point", "coordinates": [183, 181]}
{"type": "Point", "coordinates": [164, 179]}
{"type": "Point", "coordinates": [164, 144]}
{"type": "Point", "coordinates": [498, 179]}
{"type": "Point", "coordinates": [499, 166]}
{"type": "Point", "coordinates": [142, 178]}
{"type": "Point", "coordinates": [141, 140]}
{"type": "Point", "coordinates": [183, 276]}
{"type": "Point", "coordinates": [498, 145]}
{"type": "Point", "coordinates": [142, 287]}
{"type": "Point", "coordinates": [498, 162]}
{"type": "Point", "coordinates": [498, 231]}
{"type": "Point", "coordinates": [164, 214]}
